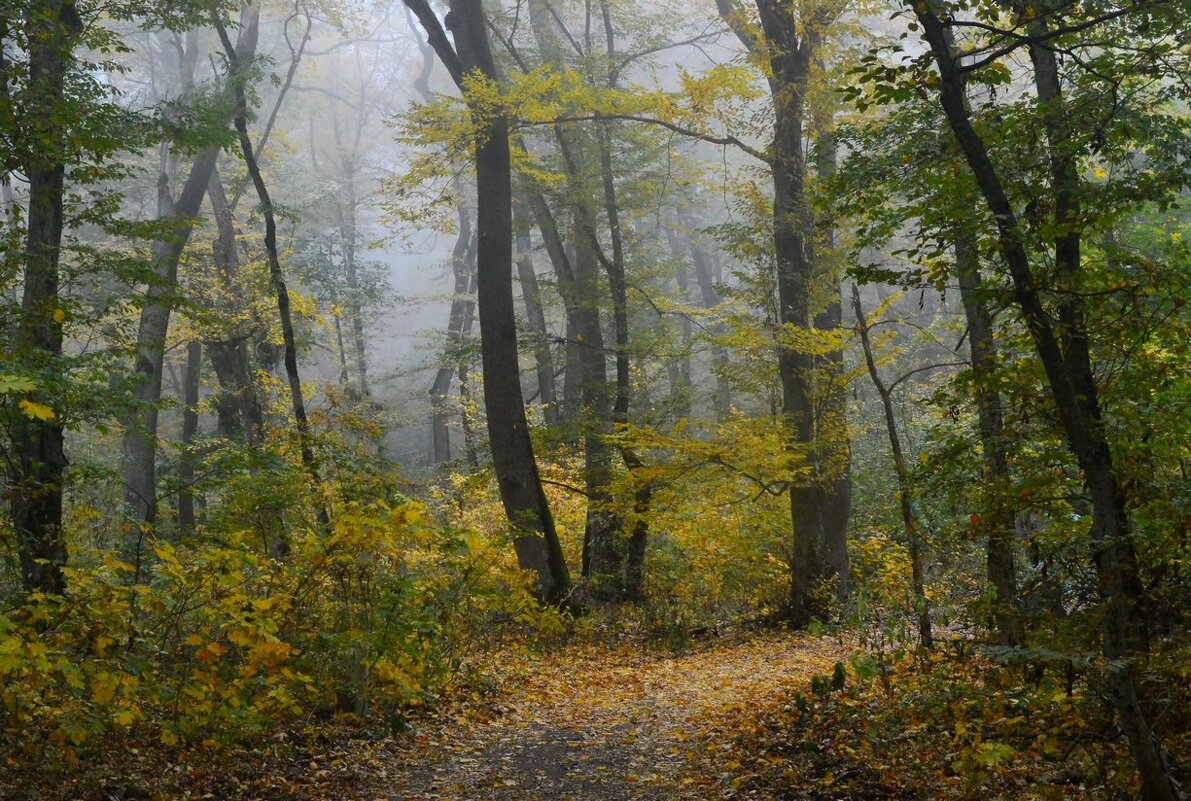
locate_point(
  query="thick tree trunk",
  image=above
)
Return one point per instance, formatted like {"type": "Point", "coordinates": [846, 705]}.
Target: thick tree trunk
{"type": "Point", "coordinates": [536, 541]}
{"type": "Point", "coordinates": [37, 467]}
{"type": "Point", "coordinates": [238, 405]}
{"type": "Point", "coordinates": [1069, 376]}
{"type": "Point", "coordinates": [789, 59]}
{"type": "Point", "coordinates": [904, 491]}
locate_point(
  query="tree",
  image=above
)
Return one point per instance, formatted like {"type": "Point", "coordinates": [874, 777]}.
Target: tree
{"type": "Point", "coordinates": [471, 67]}
{"type": "Point", "coordinates": [1062, 339]}
{"type": "Point", "coordinates": [787, 42]}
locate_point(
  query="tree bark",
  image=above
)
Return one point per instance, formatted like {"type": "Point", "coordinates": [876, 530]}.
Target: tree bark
{"type": "Point", "coordinates": [190, 421]}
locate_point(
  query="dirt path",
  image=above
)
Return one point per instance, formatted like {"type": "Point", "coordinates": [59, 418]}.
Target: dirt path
{"type": "Point", "coordinates": [597, 724]}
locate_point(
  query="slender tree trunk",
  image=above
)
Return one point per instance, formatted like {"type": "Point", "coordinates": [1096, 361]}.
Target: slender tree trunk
{"type": "Point", "coordinates": [1069, 376]}
{"type": "Point", "coordinates": [705, 277]}
{"type": "Point", "coordinates": [277, 278]}
{"type": "Point", "coordinates": [461, 268]}
{"type": "Point", "coordinates": [536, 541]}
{"type": "Point", "coordinates": [905, 496]}
{"type": "Point", "coordinates": [997, 524]}
{"type": "Point", "coordinates": [615, 267]}
{"type": "Point", "coordinates": [535, 314]}
{"type": "Point", "coordinates": [347, 232]}
{"type": "Point", "coordinates": [190, 421]}
{"type": "Point", "coordinates": [470, 447]}
{"type": "Point", "coordinates": [678, 368]}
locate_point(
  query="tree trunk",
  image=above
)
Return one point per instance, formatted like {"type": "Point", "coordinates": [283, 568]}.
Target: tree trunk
{"type": "Point", "coordinates": [38, 464]}
{"type": "Point", "coordinates": [461, 268]}
{"type": "Point", "coordinates": [905, 497]}
{"type": "Point", "coordinates": [535, 315]}
{"type": "Point", "coordinates": [190, 420]}
{"type": "Point", "coordinates": [678, 368]}
{"type": "Point", "coordinates": [140, 435]}
{"type": "Point", "coordinates": [238, 406]}
{"type": "Point", "coordinates": [997, 524]}
{"type": "Point", "coordinates": [836, 486]}
{"type": "Point", "coordinates": [603, 549]}
{"type": "Point", "coordinates": [705, 277]}
{"type": "Point", "coordinates": [347, 231]}
{"type": "Point", "coordinates": [789, 59]}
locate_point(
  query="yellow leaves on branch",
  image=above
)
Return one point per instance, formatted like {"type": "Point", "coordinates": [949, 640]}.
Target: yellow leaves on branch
{"type": "Point", "coordinates": [36, 411]}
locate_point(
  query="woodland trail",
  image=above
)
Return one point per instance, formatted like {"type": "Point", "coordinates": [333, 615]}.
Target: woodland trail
{"type": "Point", "coordinates": [596, 725]}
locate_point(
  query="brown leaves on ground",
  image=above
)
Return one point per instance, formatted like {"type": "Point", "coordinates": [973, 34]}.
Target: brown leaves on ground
{"type": "Point", "coordinates": [592, 723]}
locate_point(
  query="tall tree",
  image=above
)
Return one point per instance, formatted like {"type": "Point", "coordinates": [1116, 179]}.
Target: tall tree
{"type": "Point", "coordinates": [179, 216]}
{"type": "Point", "coordinates": [787, 41]}
{"type": "Point", "coordinates": [536, 540]}
{"type": "Point", "coordinates": [36, 473]}
{"type": "Point", "coordinates": [1062, 344]}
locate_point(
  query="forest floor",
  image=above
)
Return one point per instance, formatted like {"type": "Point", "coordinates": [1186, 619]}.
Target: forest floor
{"type": "Point", "coordinates": [588, 724]}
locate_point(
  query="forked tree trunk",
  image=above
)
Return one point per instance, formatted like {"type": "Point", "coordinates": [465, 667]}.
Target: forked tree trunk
{"type": "Point", "coordinates": [140, 433]}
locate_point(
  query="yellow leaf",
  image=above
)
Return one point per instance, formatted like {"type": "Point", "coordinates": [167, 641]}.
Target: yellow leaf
{"type": "Point", "coordinates": [59, 315]}
{"type": "Point", "coordinates": [34, 410]}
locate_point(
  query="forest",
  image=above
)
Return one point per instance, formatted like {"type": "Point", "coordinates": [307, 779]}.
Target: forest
{"type": "Point", "coordinates": [595, 400]}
